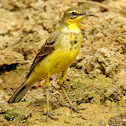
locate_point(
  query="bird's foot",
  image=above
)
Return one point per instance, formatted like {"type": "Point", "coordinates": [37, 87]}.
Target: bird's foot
{"type": "Point", "coordinates": [73, 108]}
{"type": "Point", "coordinates": [50, 115]}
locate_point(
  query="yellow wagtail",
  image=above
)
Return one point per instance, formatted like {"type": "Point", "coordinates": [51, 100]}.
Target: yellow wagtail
{"type": "Point", "coordinates": [56, 55]}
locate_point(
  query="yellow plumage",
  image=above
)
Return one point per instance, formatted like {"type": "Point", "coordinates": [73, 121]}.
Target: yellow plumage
{"type": "Point", "coordinates": [56, 55]}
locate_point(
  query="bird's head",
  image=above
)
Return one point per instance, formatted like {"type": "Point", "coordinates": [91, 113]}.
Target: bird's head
{"type": "Point", "coordinates": [74, 16]}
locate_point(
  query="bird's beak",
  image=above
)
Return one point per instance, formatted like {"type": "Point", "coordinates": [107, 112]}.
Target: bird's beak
{"type": "Point", "coordinates": [88, 14]}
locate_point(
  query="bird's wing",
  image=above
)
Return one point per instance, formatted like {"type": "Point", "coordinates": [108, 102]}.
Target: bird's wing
{"type": "Point", "coordinates": [45, 50]}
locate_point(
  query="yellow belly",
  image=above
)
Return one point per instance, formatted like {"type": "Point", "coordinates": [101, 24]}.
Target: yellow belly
{"type": "Point", "coordinates": [61, 60]}
{"type": "Point", "coordinates": [56, 62]}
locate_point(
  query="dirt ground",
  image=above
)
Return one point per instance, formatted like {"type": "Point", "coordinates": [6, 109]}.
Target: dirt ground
{"type": "Point", "coordinates": [95, 81]}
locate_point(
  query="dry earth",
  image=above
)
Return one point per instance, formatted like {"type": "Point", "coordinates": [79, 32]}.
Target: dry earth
{"type": "Point", "coordinates": [95, 81]}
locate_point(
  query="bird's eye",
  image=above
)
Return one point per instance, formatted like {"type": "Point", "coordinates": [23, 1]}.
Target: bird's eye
{"type": "Point", "coordinates": [74, 13]}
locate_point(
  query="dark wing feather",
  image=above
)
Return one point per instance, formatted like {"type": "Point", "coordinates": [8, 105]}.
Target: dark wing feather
{"type": "Point", "coordinates": [45, 50]}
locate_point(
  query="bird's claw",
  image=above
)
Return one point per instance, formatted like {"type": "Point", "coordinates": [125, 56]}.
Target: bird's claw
{"type": "Point", "coordinates": [50, 115]}
{"type": "Point", "coordinates": [73, 108]}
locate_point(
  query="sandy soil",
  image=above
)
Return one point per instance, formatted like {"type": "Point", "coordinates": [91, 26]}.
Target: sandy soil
{"type": "Point", "coordinates": [95, 81]}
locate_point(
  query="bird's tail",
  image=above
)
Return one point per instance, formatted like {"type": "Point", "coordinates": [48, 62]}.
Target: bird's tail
{"type": "Point", "coordinates": [21, 91]}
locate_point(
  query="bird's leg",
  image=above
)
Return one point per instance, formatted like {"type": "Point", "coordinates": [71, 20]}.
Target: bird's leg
{"type": "Point", "coordinates": [72, 107]}
{"type": "Point", "coordinates": [49, 114]}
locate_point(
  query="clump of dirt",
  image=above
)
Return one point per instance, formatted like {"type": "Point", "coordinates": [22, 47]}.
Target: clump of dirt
{"type": "Point", "coordinates": [119, 120]}
{"type": "Point", "coordinates": [95, 81]}
{"type": "Point", "coordinates": [104, 46]}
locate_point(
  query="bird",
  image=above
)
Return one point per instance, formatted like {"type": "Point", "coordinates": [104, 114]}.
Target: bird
{"type": "Point", "coordinates": [56, 55]}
